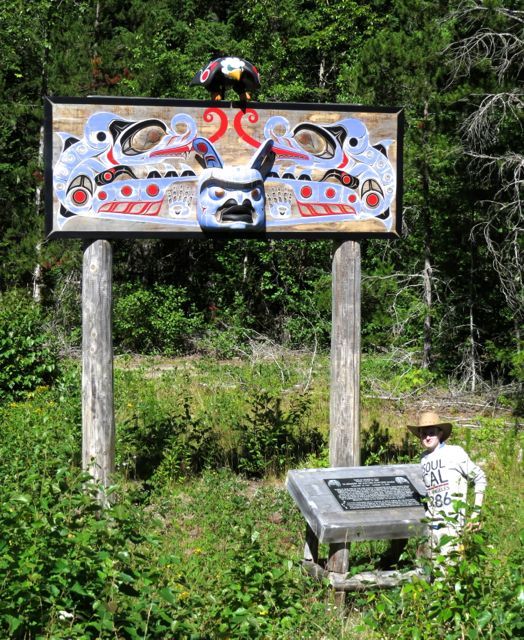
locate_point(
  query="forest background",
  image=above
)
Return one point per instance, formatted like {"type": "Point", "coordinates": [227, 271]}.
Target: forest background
{"type": "Point", "coordinates": [445, 299]}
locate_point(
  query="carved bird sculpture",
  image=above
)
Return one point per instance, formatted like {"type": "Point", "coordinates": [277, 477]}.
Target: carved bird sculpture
{"type": "Point", "coordinates": [224, 72]}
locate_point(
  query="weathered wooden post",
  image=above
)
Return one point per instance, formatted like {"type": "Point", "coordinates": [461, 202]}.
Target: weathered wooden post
{"type": "Point", "coordinates": [344, 434]}
{"type": "Point", "coordinates": [98, 424]}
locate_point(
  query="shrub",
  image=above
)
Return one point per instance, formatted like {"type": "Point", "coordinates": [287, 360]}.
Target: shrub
{"type": "Point", "coordinates": [475, 596]}
{"type": "Point", "coordinates": [154, 320]}
{"type": "Point", "coordinates": [168, 447]}
{"type": "Point", "coordinates": [271, 439]}
{"type": "Point", "coordinates": [27, 357]}
{"type": "Point", "coordinates": [72, 570]}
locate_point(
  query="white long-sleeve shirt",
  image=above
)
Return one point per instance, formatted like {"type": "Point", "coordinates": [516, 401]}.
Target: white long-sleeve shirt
{"type": "Point", "coordinates": [447, 471]}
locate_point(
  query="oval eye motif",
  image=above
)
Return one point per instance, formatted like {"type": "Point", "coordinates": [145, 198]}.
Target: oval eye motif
{"type": "Point", "coordinates": [256, 194]}
{"type": "Point", "coordinates": [216, 193]}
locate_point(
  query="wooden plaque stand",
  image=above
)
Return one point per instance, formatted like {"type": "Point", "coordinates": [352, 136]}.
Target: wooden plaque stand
{"type": "Point", "coordinates": [386, 518]}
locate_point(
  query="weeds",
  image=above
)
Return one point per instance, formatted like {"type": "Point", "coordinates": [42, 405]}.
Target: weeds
{"type": "Point", "coordinates": [192, 550]}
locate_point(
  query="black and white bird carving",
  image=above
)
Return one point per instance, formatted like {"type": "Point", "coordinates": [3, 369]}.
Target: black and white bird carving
{"type": "Point", "coordinates": [227, 71]}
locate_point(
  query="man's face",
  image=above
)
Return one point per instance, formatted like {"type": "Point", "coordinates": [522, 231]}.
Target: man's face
{"type": "Point", "coordinates": [430, 437]}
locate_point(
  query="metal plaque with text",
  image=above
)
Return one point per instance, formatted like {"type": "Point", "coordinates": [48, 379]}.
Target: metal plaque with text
{"type": "Point", "coordinates": [374, 493]}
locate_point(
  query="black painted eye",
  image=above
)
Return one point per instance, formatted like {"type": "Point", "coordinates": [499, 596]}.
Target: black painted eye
{"type": "Point", "coordinates": [101, 136]}
{"type": "Point", "coordinates": [353, 142]}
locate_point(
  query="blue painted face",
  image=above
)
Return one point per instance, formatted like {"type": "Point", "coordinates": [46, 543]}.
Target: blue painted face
{"type": "Point", "coordinates": [231, 198]}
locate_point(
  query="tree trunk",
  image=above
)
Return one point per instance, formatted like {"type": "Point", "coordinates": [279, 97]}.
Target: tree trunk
{"type": "Point", "coordinates": [38, 283]}
{"type": "Point", "coordinates": [427, 274]}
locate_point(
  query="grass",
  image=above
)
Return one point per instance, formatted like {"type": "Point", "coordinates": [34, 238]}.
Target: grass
{"type": "Point", "coordinates": [213, 554]}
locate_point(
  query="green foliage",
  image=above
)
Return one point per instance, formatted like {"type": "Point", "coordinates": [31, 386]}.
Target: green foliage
{"type": "Point", "coordinates": [268, 434]}
{"type": "Point", "coordinates": [168, 449]}
{"type": "Point", "coordinates": [272, 439]}
{"type": "Point", "coordinates": [378, 447]}
{"type": "Point", "coordinates": [27, 357]}
{"type": "Point", "coordinates": [472, 596]}
{"type": "Point", "coordinates": [154, 320]}
{"type": "Point", "coordinates": [215, 555]}
{"type": "Point", "coordinates": [262, 596]}
{"type": "Point", "coordinates": [71, 568]}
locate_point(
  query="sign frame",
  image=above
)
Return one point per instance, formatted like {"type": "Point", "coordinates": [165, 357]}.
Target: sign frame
{"type": "Point", "coordinates": [126, 105]}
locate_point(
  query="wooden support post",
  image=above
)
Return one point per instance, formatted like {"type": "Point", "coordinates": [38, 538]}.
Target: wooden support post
{"type": "Point", "coordinates": [98, 423]}
{"type": "Point", "coordinates": [344, 433]}
{"type": "Point", "coordinates": [311, 546]}
{"type": "Point", "coordinates": [338, 562]}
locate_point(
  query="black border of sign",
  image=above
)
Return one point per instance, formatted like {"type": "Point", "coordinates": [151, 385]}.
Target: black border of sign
{"type": "Point", "coordinates": [49, 101]}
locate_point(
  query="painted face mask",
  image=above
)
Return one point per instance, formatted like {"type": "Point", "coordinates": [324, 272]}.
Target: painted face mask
{"type": "Point", "coordinates": [232, 197]}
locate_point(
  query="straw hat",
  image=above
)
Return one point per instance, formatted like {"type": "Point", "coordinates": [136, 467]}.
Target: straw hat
{"type": "Point", "coordinates": [431, 419]}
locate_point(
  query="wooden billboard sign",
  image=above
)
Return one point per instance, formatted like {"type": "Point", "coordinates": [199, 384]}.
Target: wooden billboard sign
{"type": "Point", "coordinates": [127, 167]}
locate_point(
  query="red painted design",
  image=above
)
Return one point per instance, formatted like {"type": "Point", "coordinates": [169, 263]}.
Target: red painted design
{"type": "Point", "coordinates": [290, 153]}
{"type": "Point", "coordinates": [172, 151]}
{"type": "Point", "coordinates": [102, 195]}
{"type": "Point", "coordinates": [111, 157]}
{"type": "Point", "coordinates": [152, 190]}
{"type": "Point", "coordinates": [252, 116]}
{"type": "Point", "coordinates": [201, 147]}
{"type": "Point", "coordinates": [306, 192]}
{"type": "Point", "coordinates": [126, 191]}
{"type": "Point", "coordinates": [108, 175]}
{"type": "Point", "coordinates": [352, 198]}
{"type": "Point", "coordinates": [209, 115]}
{"type": "Point", "coordinates": [344, 162]}
{"type": "Point", "coordinates": [372, 200]}
{"type": "Point", "coordinates": [79, 197]}
{"type": "Point", "coordinates": [318, 209]}
{"type": "Point", "coordinates": [330, 192]}
{"type": "Point", "coordinates": [132, 208]}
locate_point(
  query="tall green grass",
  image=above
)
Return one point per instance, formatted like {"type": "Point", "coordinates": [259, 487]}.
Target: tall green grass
{"type": "Point", "coordinates": [191, 549]}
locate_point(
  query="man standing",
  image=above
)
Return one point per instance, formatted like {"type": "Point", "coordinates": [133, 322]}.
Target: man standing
{"type": "Point", "coordinates": [447, 470]}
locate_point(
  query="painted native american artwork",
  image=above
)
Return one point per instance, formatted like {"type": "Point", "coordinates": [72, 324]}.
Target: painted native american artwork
{"type": "Point", "coordinates": [227, 71]}
{"type": "Point", "coordinates": [153, 168]}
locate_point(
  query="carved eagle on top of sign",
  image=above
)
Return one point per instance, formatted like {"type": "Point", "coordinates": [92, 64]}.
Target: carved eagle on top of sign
{"type": "Point", "coordinates": [224, 72]}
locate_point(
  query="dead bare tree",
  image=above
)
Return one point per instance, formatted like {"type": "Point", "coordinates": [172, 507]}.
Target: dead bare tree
{"type": "Point", "coordinates": [496, 159]}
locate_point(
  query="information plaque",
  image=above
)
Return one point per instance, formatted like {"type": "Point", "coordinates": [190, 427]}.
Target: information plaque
{"type": "Point", "coordinates": [342, 504]}
{"type": "Point", "coordinates": [374, 493]}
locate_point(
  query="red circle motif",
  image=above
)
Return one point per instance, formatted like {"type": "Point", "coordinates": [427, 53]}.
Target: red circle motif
{"type": "Point", "coordinates": [152, 190]}
{"type": "Point", "coordinates": [330, 192]}
{"type": "Point", "coordinates": [372, 200]}
{"type": "Point", "coordinates": [79, 196]}
{"type": "Point", "coordinates": [126, 191]}
{"type": "Point", "coordinates": [306, 192]}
